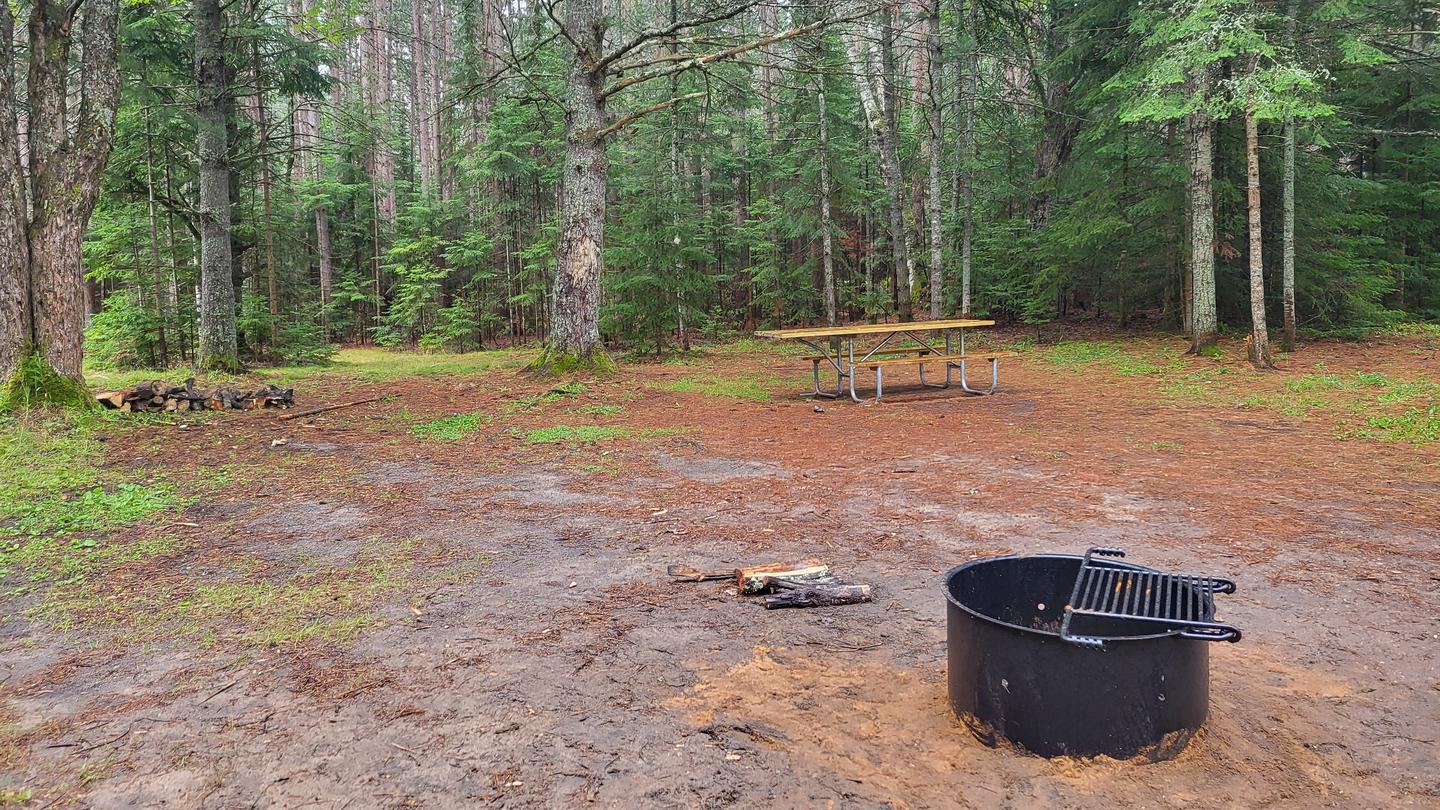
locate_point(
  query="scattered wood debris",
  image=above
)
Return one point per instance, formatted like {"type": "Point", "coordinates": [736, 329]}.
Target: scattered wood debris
{"type": "Point", "coordinates": [808, 583]}
{"type": "Point", "coordinates": [153, 396]}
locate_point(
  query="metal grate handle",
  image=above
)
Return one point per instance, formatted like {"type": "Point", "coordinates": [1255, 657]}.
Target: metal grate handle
{"type": "Point", "coordinates": [1107, 590]}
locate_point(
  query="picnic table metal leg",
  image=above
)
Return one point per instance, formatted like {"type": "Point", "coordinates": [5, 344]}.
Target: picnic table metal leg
{"type": "Point", "coordinates": [853, 393]}
{"type": "Point", "coordinates": [994, 378]}
{"type": "Point", "coordinates": [815, 371]}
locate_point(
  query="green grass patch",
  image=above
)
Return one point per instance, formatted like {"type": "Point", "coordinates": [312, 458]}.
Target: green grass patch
{"type": "Point", "coordinates": [600, 409]}
{"type": "Point", "coordinates": [752, 389]}
{"type": "Point", "coordinates": [749, 344]}
{"type": "Point", "coordinates": [1077, 353]}
{"type": "Point", "coordinates": [575, 434]}
{"type": "Point", "coordinates": [1414, 426]}
{"type": "Point", "coordinates": [1080, 352]}
{"type": "Point", "coordinates": [55, 508]}
{"type": "Point", "coordinates": [451, 428]}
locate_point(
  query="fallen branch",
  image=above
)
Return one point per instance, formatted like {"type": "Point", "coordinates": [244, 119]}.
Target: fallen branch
{"type": "Point", "coordinates": [314, 411]}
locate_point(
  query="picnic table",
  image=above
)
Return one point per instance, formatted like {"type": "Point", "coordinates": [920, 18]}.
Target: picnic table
{"type": "Point", "coordinates": [835, 347]}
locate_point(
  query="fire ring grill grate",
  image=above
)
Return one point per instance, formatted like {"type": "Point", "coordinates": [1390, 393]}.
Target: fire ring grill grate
{"type": "Point", "coordinates": [1104, 590]}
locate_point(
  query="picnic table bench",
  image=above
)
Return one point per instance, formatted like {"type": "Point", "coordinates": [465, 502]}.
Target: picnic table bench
{"type": "Point", "coordinates": [828, 341]}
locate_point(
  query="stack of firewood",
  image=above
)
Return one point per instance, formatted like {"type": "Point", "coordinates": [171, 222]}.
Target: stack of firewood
{"type": "Point", "coordinates": [154, 396]}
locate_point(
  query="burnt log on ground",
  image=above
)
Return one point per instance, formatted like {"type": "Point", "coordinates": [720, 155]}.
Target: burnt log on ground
{"type": "Point", "coordinates": [798, 595]}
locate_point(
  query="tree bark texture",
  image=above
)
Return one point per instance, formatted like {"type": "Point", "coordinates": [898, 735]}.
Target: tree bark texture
{"type": "Point", "coordinates": [15, 317]}
{"type": "Point", "coordinates": [1204, 326]}
{"type": "Point", "coordinates": [66, 158]}
{"type": "Point", "coordinates": [216, 340]}
{"type": "Point", "coordinates": [1259, 334]}
{"type": "Point", "coordinates": [932, 145]}
{"type": "Point", "coordinates": [827, 250]}
{"type": "Point", "coordinates": [904, 271]}
{"type": "Point", "coordinates": [1287, 227]}
{"type": "Point", "coordinates": [575, 331]}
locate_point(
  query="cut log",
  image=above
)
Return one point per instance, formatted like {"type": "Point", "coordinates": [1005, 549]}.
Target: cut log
{"type": "Point", "coordinates": [111, 399]}
{"type": "Point", "coordinates": [797, 595]}
{"type": "Point", "coordinates": [756, 578]}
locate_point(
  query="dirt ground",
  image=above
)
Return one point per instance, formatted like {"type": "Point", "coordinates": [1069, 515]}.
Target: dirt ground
{"type": "Point", "coordinates": [365, 617]}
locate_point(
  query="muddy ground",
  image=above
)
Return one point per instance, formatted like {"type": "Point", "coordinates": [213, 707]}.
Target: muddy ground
{"type": "Point", "coordinates": [485, 620]}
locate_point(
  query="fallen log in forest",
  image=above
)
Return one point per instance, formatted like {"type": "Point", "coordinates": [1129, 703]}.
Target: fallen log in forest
{"type": "Point", "coordinates": [153, 396]}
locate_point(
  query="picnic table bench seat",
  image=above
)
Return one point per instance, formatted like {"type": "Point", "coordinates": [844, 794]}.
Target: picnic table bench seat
{"type": "Point", "coordinates": [925, 357]}
{"type": "Point", "coordinates": [818, 358]}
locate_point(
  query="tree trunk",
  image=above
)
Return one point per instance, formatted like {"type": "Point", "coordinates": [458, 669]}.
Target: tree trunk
{"type": "Point", "coordinates": [827, 250]}
{"type": "Point", "coordinates": [217, 347]}
{"type": "Point", "coordinates": [1259, 334]}
{"type": "Point", "coordinates": [575, 333]}
{"type": "Point", "coordinates": [1204, 327]}
{"type": "Point", "coordinates": [932, 140]}
{"type": "Point", "coordinates": [272, 281]}
{"type": "Point", "coordinates": [384, 176]}
{"type": "Point", "coordinates": [66, 159]}
{"type": "Point", "coordinates": [16, 331]}
{"type": "Point", "coordinates": [1287, 227]}
{"type": "Point", "coordinates": [419, 93]}
{"type": "Point", "coordinates": [889, 136]}
{"type": "Point", "coordinates": [968, 157]}
{"type": "Point", "coordinates": [882, 139]}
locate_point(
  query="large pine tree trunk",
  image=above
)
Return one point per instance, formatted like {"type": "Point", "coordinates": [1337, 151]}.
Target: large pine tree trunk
{"type": "Point", "coordinates": [380, 78]}
{"type": "Point", "coordinates": [15, 324]}
{"type": "Point", "coordinates": [890, 149]}
{"type": "Point", "coordinates": [932, 142]}
{"type": "Point", "coordinates": [1287, 228]}
{"type": "Point", "coordinates": [575, 333]}
{"type": "Point", "coordinates": [827, 250]}
{"type": "Point", "coordinates": [1259, 334]}
{"type": "Point", "coordinates": [66, 159]}
{"type": "Point", "coordinates": [971, 70]}
{"type": "Point", "coordinates": [1204, 324]}
{"type": "Point", "coordinates": [419, 95]}
{"type": "Point", "coordinates": [882, 140]}
{"type": "Point", "coordinates": [217, 347]}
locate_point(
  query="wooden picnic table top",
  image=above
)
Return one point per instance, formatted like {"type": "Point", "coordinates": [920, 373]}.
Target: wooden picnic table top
{"type": "Point", "coordinates": [870, 329]}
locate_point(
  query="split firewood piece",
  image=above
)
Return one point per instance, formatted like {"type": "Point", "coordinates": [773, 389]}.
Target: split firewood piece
{"type": "Point", "coordinates": [756, 578]}
{"type": "Point", "coordinates": [111, 399]}
{"type": "Point", "coordinates": [795, 595]}
{"type": "Point", "coordinates": [687, 573]}
{"type": "Point", "coordinates": [271, 396]}
{"type": "Point", "coordinates": [224, 398]}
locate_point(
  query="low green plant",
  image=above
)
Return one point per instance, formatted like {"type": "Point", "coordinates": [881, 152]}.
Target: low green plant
{"type": "Point", "coordinates": [1080, 352]}
{"type": "Point", "coordinates": [746, 388]}
{"type": "Point", "coordinates": [451, 428]}
{"type": "Point", "coordinates": [575, 434]}
{"type": "Point", "coordinates": [1414, 426]}
{"type": "Point", "coordinates": [600, 409]}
